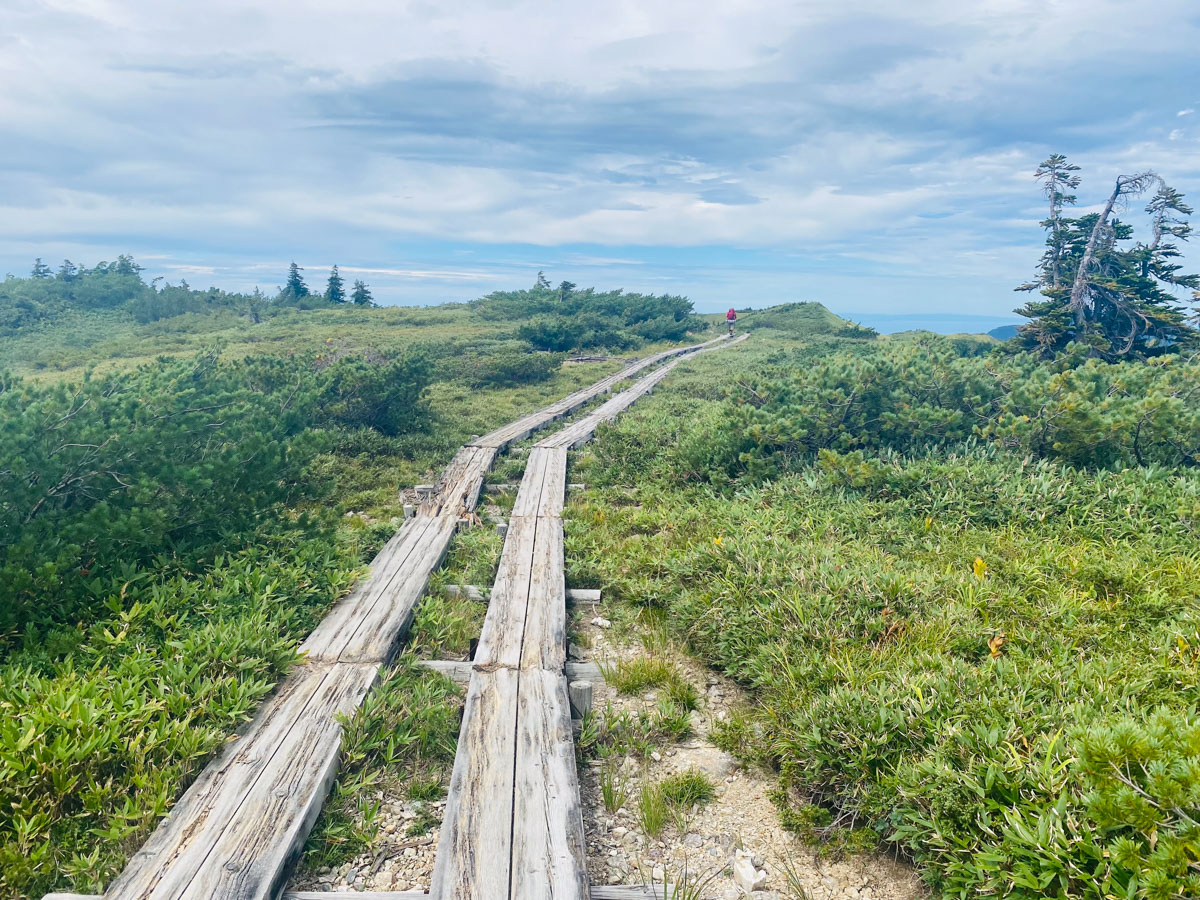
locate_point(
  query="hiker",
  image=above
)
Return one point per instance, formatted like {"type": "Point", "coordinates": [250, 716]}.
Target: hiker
{"type": "Point", "coordinates": [730, 318]}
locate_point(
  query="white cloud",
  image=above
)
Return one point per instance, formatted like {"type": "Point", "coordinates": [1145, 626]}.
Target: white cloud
{"type": "Point", "coordinates": [861, 133]}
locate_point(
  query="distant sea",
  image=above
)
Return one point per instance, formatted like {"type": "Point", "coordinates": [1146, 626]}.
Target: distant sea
{"type": "Point", "coordinates": [942, 323]}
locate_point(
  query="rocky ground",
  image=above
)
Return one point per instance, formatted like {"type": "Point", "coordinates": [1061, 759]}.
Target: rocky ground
{"type": "Point", "coordinates": [400, 860]}
{"type": "Point", "coordinates": [734, 845]}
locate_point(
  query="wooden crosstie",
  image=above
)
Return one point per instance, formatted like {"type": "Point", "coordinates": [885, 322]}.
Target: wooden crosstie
{"type": "Point", "coordinates": [236, 831]}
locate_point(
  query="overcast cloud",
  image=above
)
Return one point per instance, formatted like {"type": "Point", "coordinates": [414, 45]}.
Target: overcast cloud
{"type": "Point", "coordinates": [876, 156]}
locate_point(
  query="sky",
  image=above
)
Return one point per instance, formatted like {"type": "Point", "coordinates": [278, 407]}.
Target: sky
{"type": "Point", "coordinates": [875, 156]}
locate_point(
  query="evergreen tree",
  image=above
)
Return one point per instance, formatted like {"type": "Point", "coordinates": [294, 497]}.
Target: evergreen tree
{"type": "Point", "coordinates": [1058, 176]}
{"type": "Point", "coordinates": [295, 287]}
{"type": "Point", "coordinates": [1105, 297]}
{"type": "Point", "coordinates": [362, 294]}
{"type": "Point", "coordinates": [542, 281]}
{"type": "Point", "coordinates": [67, 271]}
{"type": "Point", "coordinates": [335, 289]}
{"type": "Point", "coordinates": [40, 269]}
{"type": "Point", "coordinates": [564, 290]}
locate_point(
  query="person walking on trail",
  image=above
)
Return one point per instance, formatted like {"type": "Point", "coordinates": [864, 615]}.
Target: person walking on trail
{"type": "Point", "coordinates": [730, 318]}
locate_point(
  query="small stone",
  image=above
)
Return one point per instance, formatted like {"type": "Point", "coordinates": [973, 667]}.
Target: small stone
{"type": "Point", "coordinates": [659, 874]}
{"type": "Point", "coordinates": [694, 841]}
{"type": "Point", "coordinates": [745, 875]}
{"type": "Point", "coordinates": [601, 622]}
{"type": "Point", "coordinates": [656, 756]}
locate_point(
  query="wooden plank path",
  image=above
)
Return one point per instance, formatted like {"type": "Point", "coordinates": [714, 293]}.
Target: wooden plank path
{"type": "Point", "coordinates": [240, 825]}
{"type": "Point", "coordinates": [513, 825]}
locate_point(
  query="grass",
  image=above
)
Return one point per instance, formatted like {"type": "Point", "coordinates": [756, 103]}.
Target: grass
{"type": "Point", "coordinates": [613, 789]}
{"type": "Point", "coordinates": [652, 810]}
{"type": "Point", "coordinates": [903, 691]}
{"type": "Point", "coordinates": [689, 788]}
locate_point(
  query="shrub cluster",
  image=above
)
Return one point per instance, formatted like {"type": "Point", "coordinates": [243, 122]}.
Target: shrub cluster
{"type": "Point", "coordinates": [915, 394]}
{"type": "Point", "coordinates": [165, 466]}
{"type": "Point", "coordinates": [564, 318]}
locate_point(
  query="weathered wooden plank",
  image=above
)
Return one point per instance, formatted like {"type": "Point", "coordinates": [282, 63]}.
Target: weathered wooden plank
{"type": "Point", "coordinates": [544, 637]}
{"type": "Point", "coordinates": [380, 630]}
{"type": "Point", "coordinates": [532, 481]}
{"type": "Point", "coordinates": [297, 740]}
{"type": "Point", "coordinates": [548, 850]}
{"type": "Point", "coordinates": [475, 847]}
{"type": "Point", "coordinates": [330, 637]}
{"type": "Point", "coordinates": [252, 854]}
{"type": "Point", "coordinates": [458, 489]}
{"type": "Point", "coordinates": [187, 833]}
{"type": "Point", "coordinates": [369, 622]}
{"type": "Point", "coordinates": [500, 638]}
{"type": "Point", "coordinates": [554, 482]}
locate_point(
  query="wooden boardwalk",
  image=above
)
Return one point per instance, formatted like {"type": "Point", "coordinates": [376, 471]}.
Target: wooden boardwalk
{"type": "Point", "coordinates": [513, 826]}
{"type": "Point", "coordinates": [238, 828]}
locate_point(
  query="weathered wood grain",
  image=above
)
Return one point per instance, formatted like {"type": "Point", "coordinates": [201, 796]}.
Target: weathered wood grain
{"type": "Point", "coordinates": [504, 625]}
{"type": "Point", "coordinates": [196, 816]}
{"type": "Point", "coordinates": [548, 849]}
{"type": "Point", "coordinates": [291, 750]}
{"type": "Point", "coordinates": [475, 847]}
{"type": "Point", "coordinates": [275, 816]}
{"type": "Point", "coordinates": [580, 693]}
{"type": "Point", "coordinates": [554, 482]}
{"type": "Point", "coordinates": [367, 624]}
{"type": "Point", "coordinates": [532, 481]}
{"type": "Point", "coordinates": [544, 634]}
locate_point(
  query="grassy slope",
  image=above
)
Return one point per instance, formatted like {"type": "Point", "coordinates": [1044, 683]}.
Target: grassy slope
{"type": "Point", "coordinates": [900, 684]}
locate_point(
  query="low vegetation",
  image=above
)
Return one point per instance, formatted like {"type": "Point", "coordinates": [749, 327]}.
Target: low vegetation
{"type": "Point", "coordinates": [961, 589]}
{"type": "Point", "coordinates": [174, 522]}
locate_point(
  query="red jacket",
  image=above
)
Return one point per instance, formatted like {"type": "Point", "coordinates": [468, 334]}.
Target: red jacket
{"type": "Point", "coordinates": [731, 315]}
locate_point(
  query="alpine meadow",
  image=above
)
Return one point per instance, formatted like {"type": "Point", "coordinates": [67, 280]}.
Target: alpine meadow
{"type": "Point", "coordinates": [626, 452]}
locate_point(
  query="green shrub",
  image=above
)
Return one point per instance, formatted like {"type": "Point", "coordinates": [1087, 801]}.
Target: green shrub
{"type": "Point", "coordinates": [508, 368]}
{"type": "Point", "coordinates": [911, 395]}
{"type": "Point", "coordinates": [103, 740]}
{"type": "Point", "coordinates": [165, 466]}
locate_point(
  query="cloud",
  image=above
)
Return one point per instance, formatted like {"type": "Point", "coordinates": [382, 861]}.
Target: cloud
{"type": "Point", "coordinates": [705, 146]}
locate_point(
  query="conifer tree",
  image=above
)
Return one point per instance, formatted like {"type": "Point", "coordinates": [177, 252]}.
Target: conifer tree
{"type": "Point", "coordinates": [67, 271]}
{"type": "Point", "coordinates": [1113, 300]}
{"type": "Point", "coordinates": [295, 286]}
{"type": "Point", "coordinates": [362, 294]}
{"type": "Point", "coordinates": [335, 289]}
{"type": "Point", "coordinates": [40, 269]}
